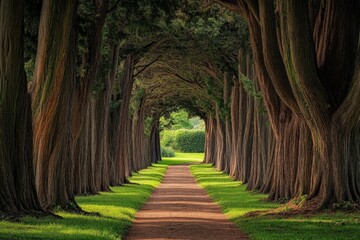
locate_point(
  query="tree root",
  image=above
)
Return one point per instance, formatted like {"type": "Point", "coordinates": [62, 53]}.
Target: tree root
{"type": "Point", "coordinates": [306, 207]}
{"type": "Point", "coordinates": [73, 207]}
{"type": "Point", "coordinates": [18, 216]}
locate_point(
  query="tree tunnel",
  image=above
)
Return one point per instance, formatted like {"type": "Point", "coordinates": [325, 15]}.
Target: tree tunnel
{"type": "Point", "coordinates": [276, 83]}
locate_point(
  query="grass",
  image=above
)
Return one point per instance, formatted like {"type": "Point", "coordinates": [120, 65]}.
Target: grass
{"type": "Point", "coordinates": [181, 158]}
{"type": "Point", "coordinates": [236, 202]}
{"type": "Point", "coordinates": [117, 209]}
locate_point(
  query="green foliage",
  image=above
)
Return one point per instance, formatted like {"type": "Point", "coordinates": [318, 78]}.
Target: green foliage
{"type": "Point", "coordinates": [167, 152]}
{"type": "Point", "coordinates": [250, 89]}
{"type": "Point", "coordinates": [148, 124]}
{"type": "Point", "coordinates": [181, 120]}
{"type": "Point", "coordinates": [31, 29]}
{"type": "Point", "coordinates": [184, 140]}
{"type": "Point", "coordinates": [138, 93]}
{"type": "Point", "coordinates": [197, 123]}
{"type": "Point", "coordinates": [176, 120]}
{"type": "Point", "coordinates": [168, 138]}
{"type": "Point", "coordinates": [189, 140]}
{"type": "Point", "coordinates": [235, 202]}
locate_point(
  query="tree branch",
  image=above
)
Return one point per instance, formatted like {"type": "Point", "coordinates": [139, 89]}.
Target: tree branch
{"type": "Point", "coordinates": [144, 67]}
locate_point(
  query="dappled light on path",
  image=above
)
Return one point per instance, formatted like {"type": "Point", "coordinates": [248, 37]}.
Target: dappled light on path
{"type": "Point", "coordinates": [180, 209]}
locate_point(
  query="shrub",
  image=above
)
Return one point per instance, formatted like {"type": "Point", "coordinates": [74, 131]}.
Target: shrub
{"type": "Point", "coordinates": [168, 138]}
{"type": "Point", "coordinates": [189, 140]}
{"type": "Point", "coordinates": [167, 151]}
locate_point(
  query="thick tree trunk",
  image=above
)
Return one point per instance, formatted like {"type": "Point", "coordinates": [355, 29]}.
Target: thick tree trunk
{"type": "Point", "coordinates": [121, 125]}
{"type": "Point", "coordinates": [17, 188]}
{"type": "Point", "coordinates": [155, 142]}
{"type": "Point", "coordinates": [210, 140]}
{"type": "Point", "coordinates": [227, 127]}
{"type": "Point", "coordinates": [239, 117]}
{"type": "Point", "coordinates": [307, 59]}
{"type": "Point", "coordinates": [259, 147]}
{"type": "Point", "coordinates": [327, 105]}
{"type": "Point", "coordinates": [130, 162]}
{"type": "Point", "coordinates": [52, 109]}
{"type": "Point", "coordinates": [235, 129]}
{"type": "Point", "coordinates": [81, 101]}
{"type": "Point", "coordinates": [219, 141]}
{"type": "Point", "coordinates": [246, 150]}
{"type": "Point", "coordinates": [140, 150]}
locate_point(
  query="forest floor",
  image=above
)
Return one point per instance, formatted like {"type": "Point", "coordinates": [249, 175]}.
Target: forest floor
{"type": "Point", "coordinates": [118, 208]}
{"type": "Point", "coordinates": [181, 209]}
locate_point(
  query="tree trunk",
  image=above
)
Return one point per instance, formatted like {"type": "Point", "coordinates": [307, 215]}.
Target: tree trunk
{"type": "Point", "coordinates": [155, 142]}
{"type": "Point", "coordinates": [219, 141]}
{"type": "Point", "coordinates": [210, 140]}
{"type": "Point", "coordinates": [81, 99]}
{"type": "Point", "coordinates": [120, 124]}
{"type": "Point", "coordinates": [17, 188]}
{"type": "Point", "coordinates": [235, 129]}
{"type": "Point", "coordinates": [51, 103]}
{"type": "Point", "coordinates": [227, 127]}
{"type": "Point", "coordinates": [246, 150]}
{"type": "Point", "coordinates": [307, 59]}
{"type": "Point", "coordinates": [130, 163]}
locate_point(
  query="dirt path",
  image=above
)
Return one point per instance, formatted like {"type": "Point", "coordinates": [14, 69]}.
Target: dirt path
{"type": "Point", "coordinates": [180, 209]}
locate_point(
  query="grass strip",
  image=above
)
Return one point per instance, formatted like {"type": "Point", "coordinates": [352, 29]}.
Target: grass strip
{"type": "Point", "coordinates": [117, 209]}
{"type": "Point", "coordinates": [235, 202]}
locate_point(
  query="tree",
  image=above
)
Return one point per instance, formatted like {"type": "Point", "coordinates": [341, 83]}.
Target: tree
{"type": "Point", "coordinates": [300, 59]}
{"type": "Point", "coordinates": [17, 188]}
{"type": "Point", "coordinates": [51, 104]}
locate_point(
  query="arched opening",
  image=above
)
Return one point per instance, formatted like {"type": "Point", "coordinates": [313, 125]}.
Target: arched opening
{"type": "Point", "coordinates": [179, 131]}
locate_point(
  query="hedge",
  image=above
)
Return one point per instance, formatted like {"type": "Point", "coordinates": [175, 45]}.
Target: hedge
{"type": "Point", "coordinates": [184, 140]}
{"type": "Point", "coordinates": [189, 140]}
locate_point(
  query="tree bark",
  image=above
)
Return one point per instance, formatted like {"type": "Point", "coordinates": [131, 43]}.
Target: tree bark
{"type": "Point", "coordinates": [155, 142]}
{"type": "Point", "coordinates": [53, 85]}
{"type": "Point", "coordinates": [17, 188]}
{"type": "Point", "coordinates": [210, 140]}
{"type": "Point", "coordinates": [307, 56]}
{"type": "Point", "coordinates": [81, 99]}
{"type": "Point", "coordinates": [120, 125]}
{"type": "Point", "coordinates": [219, 141]}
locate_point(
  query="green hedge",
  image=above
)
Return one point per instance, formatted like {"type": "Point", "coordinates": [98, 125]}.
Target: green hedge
{"type": "Point", "coordinates": [167, 151]}
{"type": "Point", "coordinates": [189, 140]}
{"type": "Point", "coordinates": [184, 140]}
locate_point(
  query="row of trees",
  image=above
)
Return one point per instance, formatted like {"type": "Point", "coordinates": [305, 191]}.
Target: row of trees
{"type": "Point", "coordinates": [306, 65]}
{"type": "Point", "coordinates": [280, 100]}
{"type": "Point", "coordinates": [276, 83]}
{"type": "Point", "coordinates": [70, 128]}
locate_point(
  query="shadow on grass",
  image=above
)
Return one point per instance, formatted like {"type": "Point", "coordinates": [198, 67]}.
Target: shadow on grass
{"type": "Point", "coordinates": [117, 209]}
{"type": "Point", "coordinates": [235, 201]}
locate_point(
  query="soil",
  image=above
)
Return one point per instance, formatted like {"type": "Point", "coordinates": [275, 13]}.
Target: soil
{"type": "Point", "coordinates": [180, 209]}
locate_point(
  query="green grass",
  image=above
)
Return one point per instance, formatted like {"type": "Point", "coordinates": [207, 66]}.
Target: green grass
{"type": "Point", "coordinates": [235, 202]}
{"type": "Point", "coordinates": [181, 158]}
{"type": "Point", "coordinates": [117, 209]}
